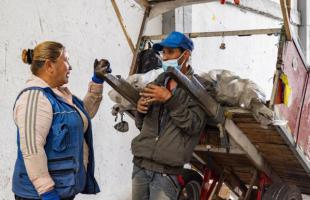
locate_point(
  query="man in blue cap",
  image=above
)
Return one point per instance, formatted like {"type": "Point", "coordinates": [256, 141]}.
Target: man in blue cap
{"type": "Point", "coordinates": [170, 122]}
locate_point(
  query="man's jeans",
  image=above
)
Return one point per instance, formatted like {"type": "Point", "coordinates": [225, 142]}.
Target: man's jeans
{"type": "Point", "coordinates": [150, 185]}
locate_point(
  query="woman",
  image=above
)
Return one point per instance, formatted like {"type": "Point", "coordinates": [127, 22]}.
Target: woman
{"type": "Point", "coordinates": [54, 135]}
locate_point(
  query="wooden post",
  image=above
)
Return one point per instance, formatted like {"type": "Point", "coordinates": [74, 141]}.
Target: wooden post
{"type": "Point", "coordinates": [219, 185]}
{"type": "Point", "coordinates": [145, 3]}
{"type": "Point", "coordinates": [121, 21]}
{"type": "Point", "coordinates": [286, 20]}
{"type": "Point", "coordinates": [133, 67]}
{"type": "Point", "coordinates": [254, 178]}
{"type": "Point", "coordinates": [288, 4]}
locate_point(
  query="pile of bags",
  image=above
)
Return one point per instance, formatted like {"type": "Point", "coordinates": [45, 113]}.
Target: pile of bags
{"type": "Point", "coordinates": [226, 88]}
{"type": "Point", "coordinates": [230, 90]}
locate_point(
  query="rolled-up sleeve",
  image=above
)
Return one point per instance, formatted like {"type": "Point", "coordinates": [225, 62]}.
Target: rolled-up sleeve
{"type": "Point", "coordinates": [93, 98]}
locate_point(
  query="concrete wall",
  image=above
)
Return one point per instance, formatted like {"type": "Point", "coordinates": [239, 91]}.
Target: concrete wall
{"type": "Point", "coordinates": [89, 30]}
{"type": "Point", "coordinates": [251, 57]}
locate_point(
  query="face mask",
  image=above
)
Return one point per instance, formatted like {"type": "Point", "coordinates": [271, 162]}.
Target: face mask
{"type": "Point", "coordinates": [172, 63]}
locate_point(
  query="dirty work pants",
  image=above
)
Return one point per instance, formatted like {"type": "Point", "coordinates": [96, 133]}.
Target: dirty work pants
{"type": "Point", "coordinates": [20, 198]}
{"type": "Point", "coordinates": [150, 185]}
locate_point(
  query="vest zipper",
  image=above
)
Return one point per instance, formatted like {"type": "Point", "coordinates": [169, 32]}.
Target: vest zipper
{"type": "Point", "coordinates": [82, 110]}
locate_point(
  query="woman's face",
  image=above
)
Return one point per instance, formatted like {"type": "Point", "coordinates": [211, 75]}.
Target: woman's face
{"type": "Point", "coordinates": [61, 70]}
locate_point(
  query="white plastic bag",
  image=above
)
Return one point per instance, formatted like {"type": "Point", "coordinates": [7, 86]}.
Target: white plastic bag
{"type": "Point", "coordinates": [138, 81]}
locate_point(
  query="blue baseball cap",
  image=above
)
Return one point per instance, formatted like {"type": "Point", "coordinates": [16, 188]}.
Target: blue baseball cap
{"type": "Point", "coordinates": [175, 40]}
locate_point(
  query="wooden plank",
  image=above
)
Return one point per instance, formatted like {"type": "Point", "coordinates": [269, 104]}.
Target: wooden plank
{"type": "Point", "coordinates": [250, 125]}
{"type": "Point", "coordinates": [232, 179]}
{"type": "Point", "coordinates": [288, 4]}
{"type": "Point", "coordinates": [160, 7]}
{"type": "Point", "coordinates": [224, 159]}
{"type": "Point", "coordinates": [286, 20]}
{"type": "Point", "coordinates": [231, 160]}
{"type": "Point", "coordinates": [238, 136]}
{"type": "Point", "coordinates": [237, 151]}
{"type": "Point", "coordinates": [144, 3]}
{"type": "Point", "coordinates": [266, 8]}
{"type": "Point", "coordinates": [221, 33]}
{"type": "Point", "coordinates": [198, 158]}
{"type": "Point", "coordinates": [121, 21]}
{"type": "Point", "coordinates": [262, 136]}
{"type": "Point", "coordinates": [254, 178]}
{"type": "Point", "coordinates": [133, 67]}
{"type": "Point", "coordinates": [244, 119]}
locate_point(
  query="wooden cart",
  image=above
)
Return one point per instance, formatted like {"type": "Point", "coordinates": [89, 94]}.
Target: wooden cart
{"type": "Point", "coordinates": [254, 162]}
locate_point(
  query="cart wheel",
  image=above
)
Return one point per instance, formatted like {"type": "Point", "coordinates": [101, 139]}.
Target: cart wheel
{"type": "Point", "coordinates": [192, 185]}
{"type": "Point", "coordinates": [280, 191]}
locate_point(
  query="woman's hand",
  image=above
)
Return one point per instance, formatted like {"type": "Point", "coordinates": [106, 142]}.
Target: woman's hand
{"type": "Point", "coordinates": [101, 68]}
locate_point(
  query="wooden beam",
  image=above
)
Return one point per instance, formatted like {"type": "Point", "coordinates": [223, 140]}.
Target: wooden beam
{"type": "Point", "coordinates": [232, 178]}
{"type": "Point", "coordinates": [266, 8]}
{"type": "Point", "coordinates": [249, 191]}
{"type": "Point", "coordinates": [197, 157]}
{"type": "Point", "coordinates": [219, 185]}
{"type": "Point", "coordinates": [145, 3]}
{"type": "Point", "coordinates": [221, 33]}
{"type": "Point", "coordinates": [121, 21]}
{"type": "Point", "coordinates": [286, 20]}
{"type": "Point", "coordinates": [133, 67]}
{"type": "Point", "coordinates": [160, 7]}
{"type": "Point", "coordinates": [219, 150]}
{"type": "Point", "coordinates": [245, 144]}
{"type": "Point", "coordinates": [288, 4]}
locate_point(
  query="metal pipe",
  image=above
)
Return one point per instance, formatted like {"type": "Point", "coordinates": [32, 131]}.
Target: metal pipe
{"type": "Point", "coordinates": [122, 87]}
{"type": "Point", "coordinates": [213, 109]}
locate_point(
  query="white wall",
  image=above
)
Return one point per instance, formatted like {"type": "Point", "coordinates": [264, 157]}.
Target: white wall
{"type": "Point", "coordinates": [251, 57]}
{"type": "Point", "coordinates": [89, 30]}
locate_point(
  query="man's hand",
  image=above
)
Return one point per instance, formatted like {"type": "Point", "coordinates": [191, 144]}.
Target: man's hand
{"type": "Point", "coordinates": [142, 105]}
{"type": "Point", "coordinates": [155, 93]}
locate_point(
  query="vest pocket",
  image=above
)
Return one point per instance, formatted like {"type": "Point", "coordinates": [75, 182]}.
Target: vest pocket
{"type": "Point", "coordinates": [61, 137]}
{"type": "Point", "coordinates": [61, 164]}
{"type": "Point", "coordinates": [65, 182]}
{"type": "Point", "coordinates": [64, 173]}
{"type": "Point", "coordinates": [63, 178]}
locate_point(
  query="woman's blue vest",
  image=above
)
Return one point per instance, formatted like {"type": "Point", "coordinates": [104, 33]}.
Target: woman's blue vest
{"type": "Point", "coordinates": [64, 151]}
